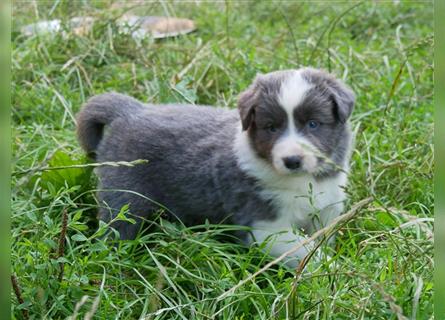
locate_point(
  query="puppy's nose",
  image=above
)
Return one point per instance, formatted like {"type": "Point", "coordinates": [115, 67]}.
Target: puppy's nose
{"type": "Point", "coordinates": [292, 163]}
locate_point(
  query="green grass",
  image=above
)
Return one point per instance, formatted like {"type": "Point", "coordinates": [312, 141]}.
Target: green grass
{"type": "Point", "coordinates": [382, 263]}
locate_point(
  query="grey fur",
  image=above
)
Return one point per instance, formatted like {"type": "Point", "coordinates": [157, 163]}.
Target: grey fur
{"type": "Point", "coordinates": [341, 95]}
{"type": "Point", "coordinates": [102, 110]}
{"type": "Point", "coordinates": [192, 168]}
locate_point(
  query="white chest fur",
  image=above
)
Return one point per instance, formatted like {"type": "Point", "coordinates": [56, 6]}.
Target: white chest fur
{"type": "Point", "coordinates": [304, 203]}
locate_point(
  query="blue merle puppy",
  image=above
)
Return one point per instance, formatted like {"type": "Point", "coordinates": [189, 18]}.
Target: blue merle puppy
{"type": "Point", "coordinates": [278, 164]}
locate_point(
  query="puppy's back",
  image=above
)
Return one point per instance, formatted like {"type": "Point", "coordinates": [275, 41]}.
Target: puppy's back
{"type": "Point", "coordinates": [187, 148]}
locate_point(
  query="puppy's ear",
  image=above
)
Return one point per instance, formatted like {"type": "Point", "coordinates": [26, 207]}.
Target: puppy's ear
{"type": "Point", "coordinates": [343, 98]}
{"type": "Point", "coordinates": [246, 105]}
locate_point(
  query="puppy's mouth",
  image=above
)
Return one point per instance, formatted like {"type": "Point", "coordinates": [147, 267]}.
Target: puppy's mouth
{"type": "Point", "coordinates": [308, 164]}
{"type": "Point", "coordinates": [294, 158]}
{"type": "Point", "coordinates": [295, 165]}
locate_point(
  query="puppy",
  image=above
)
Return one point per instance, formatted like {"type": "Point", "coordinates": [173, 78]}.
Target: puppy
{"type": "Point", "coordinates": [278, 165]}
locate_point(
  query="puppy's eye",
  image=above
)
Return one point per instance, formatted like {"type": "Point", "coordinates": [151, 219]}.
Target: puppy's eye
{"type": "Point", "coordinates": [271, 127]}
{"type": "Point", "coordinates": [312, 124]}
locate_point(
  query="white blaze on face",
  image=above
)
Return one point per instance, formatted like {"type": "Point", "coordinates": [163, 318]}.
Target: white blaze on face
{"type": "Point", "coordinates": [292, 93]}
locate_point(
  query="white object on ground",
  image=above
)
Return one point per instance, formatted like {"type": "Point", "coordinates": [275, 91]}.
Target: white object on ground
{"type": "Point", "coordinates": [79, 26]}
{"type": "Point", "coordinates": [155, 26]}
{"type": "Point", "coordinates": [139, 27]}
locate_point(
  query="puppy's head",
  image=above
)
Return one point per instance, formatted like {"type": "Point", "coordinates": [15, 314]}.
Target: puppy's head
{"type": "Point", "coordinates": [297, 120]}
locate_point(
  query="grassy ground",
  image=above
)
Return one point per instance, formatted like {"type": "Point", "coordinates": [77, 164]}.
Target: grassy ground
{"type": "Point", "coordinates": [381, 266]}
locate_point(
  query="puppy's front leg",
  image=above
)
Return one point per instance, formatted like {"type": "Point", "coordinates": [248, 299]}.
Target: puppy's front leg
{"type": "Point", "coordinates": [324, 218]}
{"type": "Point", "coordinates": [280, 239]}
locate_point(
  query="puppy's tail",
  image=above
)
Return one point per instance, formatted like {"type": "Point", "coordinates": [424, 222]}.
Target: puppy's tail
{"type": "Point", "coordinates": [99, 111]}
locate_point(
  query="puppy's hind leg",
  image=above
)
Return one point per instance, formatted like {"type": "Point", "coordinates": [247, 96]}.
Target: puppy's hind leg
{"type": "Point", "coordinates": [127, 230]}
